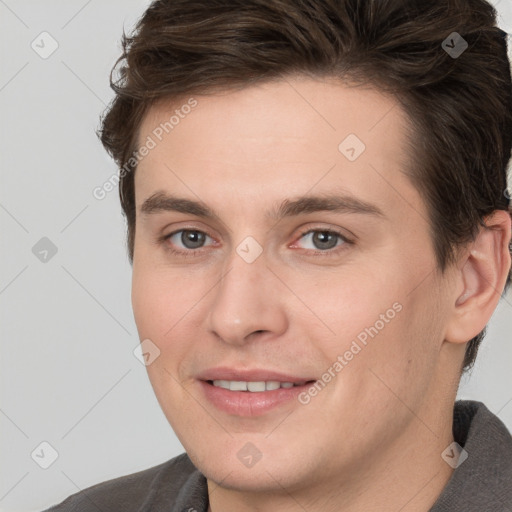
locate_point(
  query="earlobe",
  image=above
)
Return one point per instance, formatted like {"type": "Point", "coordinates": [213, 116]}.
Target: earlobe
{"type": "Point", "coordinates": [482, 275]}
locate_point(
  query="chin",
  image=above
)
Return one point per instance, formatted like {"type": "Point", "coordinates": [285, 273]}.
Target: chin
{"type": "Point", "coordinates": [224, 466]}
{"type": "Point", "coordinates": [264, 479]}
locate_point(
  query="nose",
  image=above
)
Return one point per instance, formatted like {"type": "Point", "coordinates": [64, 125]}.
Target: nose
{"type": "Point", "coordinates": [248, 299]}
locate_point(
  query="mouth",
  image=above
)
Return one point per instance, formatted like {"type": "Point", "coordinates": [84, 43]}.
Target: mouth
{"type": "Point", "coordinates": [249, 393]}
{"type": "Point", "coordinates": [239, 378]}
{"type": "Point", "coordinates": [256, 386]}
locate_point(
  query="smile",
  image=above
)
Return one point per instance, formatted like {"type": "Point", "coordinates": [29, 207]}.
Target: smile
{"type": "Point", "coordinates": [253, 387]}
{"type": "Point", "coordinates": [252, 398]}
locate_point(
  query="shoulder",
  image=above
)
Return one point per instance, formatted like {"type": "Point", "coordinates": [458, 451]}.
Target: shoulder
{"type": "Point", "coordinates": [131, 492]}
{"type": "Point", "coordinates": [482, 480]}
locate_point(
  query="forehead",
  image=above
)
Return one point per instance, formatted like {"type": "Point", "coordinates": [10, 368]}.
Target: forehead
{"type": "Point", "coordinates": [291, 135]}
{"type": "Point", "coordinates": [322, 107]}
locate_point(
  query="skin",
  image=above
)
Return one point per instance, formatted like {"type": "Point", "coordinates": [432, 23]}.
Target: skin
{"type": "Point", "coordinates": [375, 433]}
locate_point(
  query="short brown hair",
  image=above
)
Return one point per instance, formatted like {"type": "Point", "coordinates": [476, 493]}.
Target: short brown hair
{"type": "Point", "coordinates": [460, 105]}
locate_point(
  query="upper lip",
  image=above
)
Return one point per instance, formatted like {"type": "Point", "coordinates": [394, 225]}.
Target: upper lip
{"type": "Point", "coordinates": [248, 375]}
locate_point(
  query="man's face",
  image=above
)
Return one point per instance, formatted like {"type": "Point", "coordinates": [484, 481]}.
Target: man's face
{"type": "Point", "coordinates": [347, 297]}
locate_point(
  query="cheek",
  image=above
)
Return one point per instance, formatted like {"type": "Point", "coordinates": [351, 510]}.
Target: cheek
{"type": "Point", "coordinates": [358, 307]}
{"type": "Point", "coordinates": [400, 359]}
{"type": "Point", "coordinates": [160, 309]}
{"type": "Point", "coordinates": [166, 310]}
{"type": "Point", "coordinates": [382, 330]}
{"type": "Point", "coordinates": [147, 304]}
{"type": "Point", "coordinates": [159, 300]}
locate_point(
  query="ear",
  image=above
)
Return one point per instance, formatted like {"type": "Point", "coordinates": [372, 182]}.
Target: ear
{"type": "Point", "coordinates": [481, 276]}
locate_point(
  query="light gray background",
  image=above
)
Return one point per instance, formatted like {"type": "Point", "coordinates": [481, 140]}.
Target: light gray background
{"type": "Point", "coordinates": [68, 373]}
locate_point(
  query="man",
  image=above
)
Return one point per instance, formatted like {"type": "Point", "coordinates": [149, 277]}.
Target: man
{"type": "Point", "coordinates": [319, 229]}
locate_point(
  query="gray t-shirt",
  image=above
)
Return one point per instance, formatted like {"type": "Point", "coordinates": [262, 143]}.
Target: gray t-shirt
{"type": "Point", "coordinates": [482, 483]}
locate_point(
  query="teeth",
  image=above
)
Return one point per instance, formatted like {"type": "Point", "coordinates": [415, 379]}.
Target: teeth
{"type": "Point", "coordinates": [236, 385]}
{"type": "Point", "coordinates": [255, 387]}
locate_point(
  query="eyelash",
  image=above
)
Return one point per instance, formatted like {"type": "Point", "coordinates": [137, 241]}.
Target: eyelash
{"type": "Point", "coordinates": [316, 253]}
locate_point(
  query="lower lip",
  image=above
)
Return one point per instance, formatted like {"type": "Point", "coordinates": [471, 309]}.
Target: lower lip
{"type": "Point", "coordinates": [248, 403]}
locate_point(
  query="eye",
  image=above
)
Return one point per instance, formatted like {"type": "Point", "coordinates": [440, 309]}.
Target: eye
{"type": "Point", "coordinates": [324, 240]}
{"type": "Point", "coordinates": [191, 240]}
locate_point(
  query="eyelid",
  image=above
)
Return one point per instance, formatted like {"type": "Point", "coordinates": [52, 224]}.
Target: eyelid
{"type": "Point", "coordinates": [343, 233]}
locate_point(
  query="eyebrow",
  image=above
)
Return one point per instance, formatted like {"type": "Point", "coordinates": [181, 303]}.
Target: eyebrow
{"type": "Point", "coordinates": [162, 202]}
